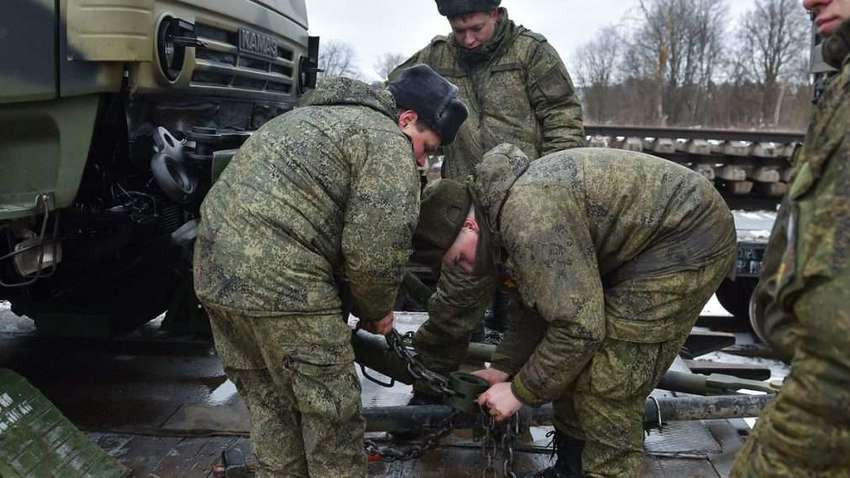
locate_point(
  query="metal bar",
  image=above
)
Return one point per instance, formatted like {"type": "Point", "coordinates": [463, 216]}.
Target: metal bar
{"type": "Point", "coordinates": [372, 351]}
{"type": "Point", "coordinates": [705, 134]}
{"type": "Point", "coordinates": [242, 72]}
{"type": "Point", "coordinates": [701, 342]}
{"type": "Point", "coordinates": [410, 418]}
{"type": "Point", "coordinates": [750, 372]}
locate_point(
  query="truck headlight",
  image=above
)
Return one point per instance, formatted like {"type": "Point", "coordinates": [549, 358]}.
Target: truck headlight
{"type": "Point", "coordinates": [171, 45]}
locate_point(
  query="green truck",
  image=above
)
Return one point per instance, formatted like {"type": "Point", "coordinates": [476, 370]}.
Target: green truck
{"type": "Point", "coordinates": [115, 117]}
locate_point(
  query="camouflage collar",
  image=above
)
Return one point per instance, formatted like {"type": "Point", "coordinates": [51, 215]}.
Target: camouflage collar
{"type": "Point", "coordinates": [496, 175]}
{"type": "Point", "coordinates": [345, 91]}
{"type": "Point", "coordinates": [836, 48]}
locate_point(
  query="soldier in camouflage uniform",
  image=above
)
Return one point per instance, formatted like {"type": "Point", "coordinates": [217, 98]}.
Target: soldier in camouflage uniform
{"type": "Point", "coordinates": [518, 91]}
{"type": "Point", "coordinates": [802, 299]}
{"type": "Point", "coordinates": [611, 256]}
{"type": "Point", "coordinates": [315, 216]}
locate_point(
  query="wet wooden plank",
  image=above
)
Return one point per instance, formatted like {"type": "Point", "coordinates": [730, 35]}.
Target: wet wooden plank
{"type": "Point", "coordinates": [730, 439]}
{"type": "Point", "coordinates": [193, 457]}
{"type": "Point", "coordinates": [682, 437]}
{"type": "Point", "coordinates": [143, 454]}
{"type": "Point", "coordinates": [663, 467]}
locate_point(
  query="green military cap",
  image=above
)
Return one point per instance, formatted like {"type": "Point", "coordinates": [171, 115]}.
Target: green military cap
{"type": "Point", "coordinates": [454, 8]}
{"type": "Point", "coordinates": [444, 207]}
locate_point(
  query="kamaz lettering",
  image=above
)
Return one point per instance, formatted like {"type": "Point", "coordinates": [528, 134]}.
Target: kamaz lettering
{"type": "Point", "coordinates": [257, 43]}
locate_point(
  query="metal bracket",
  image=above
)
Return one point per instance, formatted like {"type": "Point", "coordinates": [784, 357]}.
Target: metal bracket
{"type": "Point", "coordinates": [389, 384]}
{"type": "Point", "coordinates": [46, 200]}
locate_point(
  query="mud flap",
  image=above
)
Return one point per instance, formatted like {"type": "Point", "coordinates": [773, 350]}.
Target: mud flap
{"type": "Point", "coordinates": [37, 440]}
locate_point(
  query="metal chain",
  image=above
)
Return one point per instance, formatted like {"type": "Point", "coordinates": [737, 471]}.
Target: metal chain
{"type": "Point", "coordinates": [509, 439]}
{"type": "Point", "coordinates": [400, 345]}
{"type": "Point", "coordinates": [489, 445]}
{"type": "Point", "coordinates": [498, 438]}
{"type": "Point", "coordinates": [437, 382]}
{"type": "Point", "coordinates": [431, 440]}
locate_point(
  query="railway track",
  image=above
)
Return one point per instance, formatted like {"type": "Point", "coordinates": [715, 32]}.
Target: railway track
{"type": "Point", "coordinates": [751, 168]}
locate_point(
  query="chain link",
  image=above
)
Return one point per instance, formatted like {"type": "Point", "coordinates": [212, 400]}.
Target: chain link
{"type": "Point", "coordinates": [498, 439]}
{"type": "Point", "coordinates": [431, 440]}
{"type": "Point", "coordinates": [400, 346]}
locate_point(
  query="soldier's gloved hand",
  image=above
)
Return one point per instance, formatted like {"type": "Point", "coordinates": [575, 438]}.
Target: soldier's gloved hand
{"type": "Point", "coordinates": [492, 375]}
{"type": "Point", "coordinates": [500, 401]}
{"type": "Point", "coordinates": [383, 326]}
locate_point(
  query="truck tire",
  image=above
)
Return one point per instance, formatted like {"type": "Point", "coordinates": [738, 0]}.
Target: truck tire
{"type": "Point", "coordinates": [735, 295]}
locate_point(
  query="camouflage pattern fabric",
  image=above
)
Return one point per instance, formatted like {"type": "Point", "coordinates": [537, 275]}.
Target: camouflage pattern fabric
{"type": "Point", "coordinates": [454, 311]}
{"type": "Point", "coordinates": [612, 255]}
{"type": "Point", "coordinates": [296, 376]}
{"type": "Point", "coordinates": [294, 216]}
{"type": "Point", "coordinates": [802, 300]}
{"type": "Point", "coordinates": [317, 208]}
{"type": "Point", "coordinates": [518, 91]}
{"type": "Point", "coordinates": [605, 405]}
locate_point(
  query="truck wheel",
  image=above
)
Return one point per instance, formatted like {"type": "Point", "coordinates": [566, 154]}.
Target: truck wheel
{"type": "Point", "coordinates": [735, 295]}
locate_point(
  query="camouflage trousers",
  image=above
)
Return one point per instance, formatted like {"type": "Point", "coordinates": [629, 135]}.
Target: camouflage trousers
{"type": "Point", "coordinates": [454, 311]}
{"type": "Point", "coordinates": [648, 320]}
{"type": "Point", "coordinates": [296, 375]}
{"type": "Point", "coordinates": [805, 432]}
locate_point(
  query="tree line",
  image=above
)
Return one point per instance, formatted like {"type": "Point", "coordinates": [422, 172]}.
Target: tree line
{"type": "Point", "coordinates": [678, 63]}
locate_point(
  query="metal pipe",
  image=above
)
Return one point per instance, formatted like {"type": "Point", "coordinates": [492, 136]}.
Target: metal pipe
{"type": "Point", "coordinates": [371, 351]}
{"type": "Point", "coordinates": [411, 418]}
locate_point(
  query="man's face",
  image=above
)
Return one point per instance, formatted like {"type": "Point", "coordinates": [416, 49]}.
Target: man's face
{"type": "Point", "coordinates": [829, 14]}
{"type": "Point", "coordinates": [462, 252]}
{"type": "Point", "coordinates": [424, 140]}
{"type": "Point", "coordinates": [474, 29]}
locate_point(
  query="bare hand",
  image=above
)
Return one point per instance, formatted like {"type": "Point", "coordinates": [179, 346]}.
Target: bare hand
{"type": "Point", "coordinates": [383, 326]}
{"type": "Point", "coordinates": [500, 401]}
{"type": "Point", "coordinates": [492, 375]}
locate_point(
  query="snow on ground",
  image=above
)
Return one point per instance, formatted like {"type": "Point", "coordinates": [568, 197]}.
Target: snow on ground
{"type": "Point", "coordinates": [10, 322]}
{"type": "Point", "coordinates": [714, 308]}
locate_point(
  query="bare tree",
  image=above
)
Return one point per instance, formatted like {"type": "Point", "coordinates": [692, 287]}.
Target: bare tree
{"type": "Point", "coordinates": [676, 44]}
{"type": "Point", "coordinates": [774, 35]}
{"type": "Point", "coordinates": [596, 63]}
{"type": "Point", "coordinates": [386, 63]}
{"type": "Point", "coordinates": [336, 58]}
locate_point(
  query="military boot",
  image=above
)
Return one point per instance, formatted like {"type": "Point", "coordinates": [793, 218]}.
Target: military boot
{"type": "Point", "coordinates": [568, 452]}
{"type": "Point", "coordinates": [496, 318]}
{"type": "Point", "coordinates": [233, 465]}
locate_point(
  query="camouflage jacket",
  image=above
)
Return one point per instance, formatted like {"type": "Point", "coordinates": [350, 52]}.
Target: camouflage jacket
{"type": "Point", "coordinates": [320, 199]}
{"type": "Point", "coordinates": [517, 90]}
{"type": "Point", "coordinates": [811, 237]}
{"type": "Point", "coordinates": [571, 224]}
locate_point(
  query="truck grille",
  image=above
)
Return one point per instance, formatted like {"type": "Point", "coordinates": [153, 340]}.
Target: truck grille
{"type": "Point", "coordinates": [219, 64]}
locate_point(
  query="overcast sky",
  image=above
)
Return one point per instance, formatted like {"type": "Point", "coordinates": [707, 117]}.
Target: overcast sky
{"type": "Point", "coordinates": [375, 27]}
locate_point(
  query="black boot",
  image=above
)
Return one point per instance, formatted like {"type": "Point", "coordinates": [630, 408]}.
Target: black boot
{"type": "Point", "coordinates": [568, 451]}
{"type": "Point", "coordinates": [497, 318]}
{"type": "Point", "coordinates": [233, 465]}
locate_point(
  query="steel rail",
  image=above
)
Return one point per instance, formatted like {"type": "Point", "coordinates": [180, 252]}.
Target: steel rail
{"type": "Point", "coordinates": [755, 136]}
